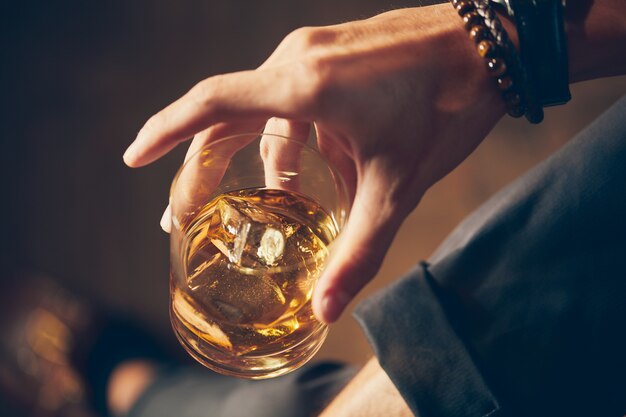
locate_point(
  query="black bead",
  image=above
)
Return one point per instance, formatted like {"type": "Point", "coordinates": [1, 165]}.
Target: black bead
{"type": "Point", "coordinates": [463, 6]}
{"type": "Point", "coordinates": [496, 67]}
{"type": "Point", "coordinates": [478, 33]}
{"type": "Point", "coordinates": [471, 19]}
{"type": "Point", "coordinates": [512, 98]}
{"type": "Point", "coordinates": [505, 83]}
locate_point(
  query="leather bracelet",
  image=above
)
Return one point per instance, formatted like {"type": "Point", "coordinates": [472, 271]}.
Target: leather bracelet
{"type": "Point", "coordinates": [543, 49]}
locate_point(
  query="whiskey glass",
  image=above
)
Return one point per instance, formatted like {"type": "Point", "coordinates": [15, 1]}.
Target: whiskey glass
{"type": "Point", "coordinates": [253, 219]}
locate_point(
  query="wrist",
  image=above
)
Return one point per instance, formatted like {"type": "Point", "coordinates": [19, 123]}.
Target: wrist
{"type": "Point", "coordinates": [462, 77]}
{"type": "Point", "coordinates": [468, 102]}
{"type": "Point", "coordinates": [596, 37]}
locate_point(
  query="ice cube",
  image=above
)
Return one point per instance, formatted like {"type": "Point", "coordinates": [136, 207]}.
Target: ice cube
{"type": "Point", "coordinates": [236, 298]}
{"type": "Point", "coordinates": [302, 260]}
{"type": "Point", "coordinates": [249, 235]}
{"type": "Point", "coordinates": [235, 227]}
{"type": "Point", "coordinates": [210, 331]}
{"type": "Point", "coordinates": [272, 246]}
{"type": "Point", "coordinates": [266, 264]}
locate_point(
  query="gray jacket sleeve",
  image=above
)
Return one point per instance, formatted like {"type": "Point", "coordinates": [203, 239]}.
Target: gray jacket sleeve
{"type": "Point", "coordinates": [522, 310]}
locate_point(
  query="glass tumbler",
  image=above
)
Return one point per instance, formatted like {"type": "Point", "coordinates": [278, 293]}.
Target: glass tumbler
{"type": "Point", "coordinates": [253, 221]}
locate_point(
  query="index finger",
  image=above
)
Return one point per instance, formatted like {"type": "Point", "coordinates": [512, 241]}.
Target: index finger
{"type": "Point", "coordinates": [257, 94]}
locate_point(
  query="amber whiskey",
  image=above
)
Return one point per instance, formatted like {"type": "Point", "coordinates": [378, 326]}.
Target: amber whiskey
{"type": "Point", "coordinates": [250, 260]}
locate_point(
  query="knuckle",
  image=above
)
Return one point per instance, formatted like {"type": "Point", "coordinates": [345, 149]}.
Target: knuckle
{"type": "Point", "coordinates": [203, 94]}
{"type": "Point", "coordinates": [313, 71]}
{"type": "Point", "coordinates": [309, 37]}
{"type": "Point", "coordinates": [364, 265]}
{"type": "Point", "coordinates": [297, 39]}
{"type": "Point", "coordinates": [314, 79]}
{"type": "Point", "coordinates": [154, 124]}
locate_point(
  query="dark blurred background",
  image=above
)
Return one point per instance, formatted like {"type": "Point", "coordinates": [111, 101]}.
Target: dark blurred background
{"type": "Point", "coordinates": [79, 78]}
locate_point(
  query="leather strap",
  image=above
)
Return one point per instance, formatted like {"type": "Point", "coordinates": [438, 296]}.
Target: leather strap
{"type": "Point", "coordinates": [543, 49]}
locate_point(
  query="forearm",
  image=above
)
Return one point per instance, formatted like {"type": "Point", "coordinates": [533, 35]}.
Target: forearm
{"type": "Point", "coordinates": [596, 43]}
{"type": "Point", "coordinates": [370, 394]}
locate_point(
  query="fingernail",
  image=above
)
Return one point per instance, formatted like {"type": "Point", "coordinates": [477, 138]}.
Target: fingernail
{"type": "Point", "coordinates": [166, 220]}
{"type": "Point", "coordinates": [333, 305]}
{"type": "Point", "coordinates": [129, 155]}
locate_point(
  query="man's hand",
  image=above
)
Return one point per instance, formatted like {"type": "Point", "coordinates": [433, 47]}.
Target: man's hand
{"type": "Point", "coordinates": [397, 102]}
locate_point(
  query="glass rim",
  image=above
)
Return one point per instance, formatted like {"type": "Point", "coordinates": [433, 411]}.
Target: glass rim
{"type": "Point", "coordinates": [333, 169]}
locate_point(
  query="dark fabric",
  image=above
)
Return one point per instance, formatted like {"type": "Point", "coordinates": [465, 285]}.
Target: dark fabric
{"type": "Point", "coordinates": [419, 349]}
{"type": "Point", "coordinates": [197, 392]}
{"type": "Point", "coordinates": [522, 311]}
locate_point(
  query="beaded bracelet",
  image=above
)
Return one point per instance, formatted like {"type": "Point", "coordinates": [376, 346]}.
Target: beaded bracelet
{"type": "Point", "coordinates": [493, 44]}
{"type": "Point", "coordinates": [534, 112]}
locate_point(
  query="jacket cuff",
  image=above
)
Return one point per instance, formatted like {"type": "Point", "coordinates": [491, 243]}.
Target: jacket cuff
{"type": "Point", "coordinates": [421, 352]}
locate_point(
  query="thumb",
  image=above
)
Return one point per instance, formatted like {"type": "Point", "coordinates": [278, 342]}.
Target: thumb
{"type": "Point", "coordinates": [359, 252]}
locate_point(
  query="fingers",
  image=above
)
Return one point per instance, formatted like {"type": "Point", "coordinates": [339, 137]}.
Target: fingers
{"type": "Point", "coordinates": [221, 131]}
{"type": "Point", "coordinates": [166, 219]}
{"type": "Point", "coordinates": [204, 169]}
{"type": "Point", "coordinates": [360, 249]}
{"type": "Point", "coordinates": [196, 182]}
{"type": "Point", "coordinates": [281, 158]}
{"type": "Point", "coordinates": [247, 95]}
{"type": "Point", "coordinates": [330, 147]}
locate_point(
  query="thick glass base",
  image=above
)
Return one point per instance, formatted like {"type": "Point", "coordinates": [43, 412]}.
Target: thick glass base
{"type": "Point", "coordinates": [261, 364]}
